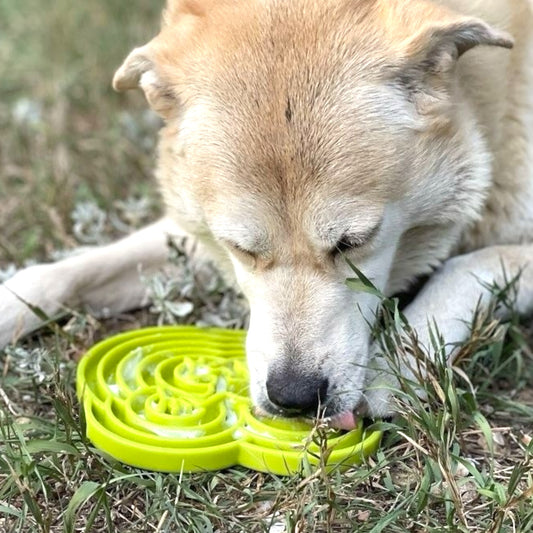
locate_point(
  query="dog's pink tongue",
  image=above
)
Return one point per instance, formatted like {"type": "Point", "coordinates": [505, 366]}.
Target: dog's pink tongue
{"type": "Point", "coordinates": [343, 421]}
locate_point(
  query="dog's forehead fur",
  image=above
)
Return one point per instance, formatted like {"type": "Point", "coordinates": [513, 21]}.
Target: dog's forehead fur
{"type": "Point", "coordinates": [294, 115]}
{"type": "Point", "coordinates": [316, 120]}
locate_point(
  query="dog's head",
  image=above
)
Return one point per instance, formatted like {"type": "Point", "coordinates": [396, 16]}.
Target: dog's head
{"type": "Point", "coordinates": [301, 132]}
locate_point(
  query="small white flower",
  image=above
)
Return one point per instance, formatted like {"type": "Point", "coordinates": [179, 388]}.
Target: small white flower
{"type": "Point", "coordinates": [89, 223]}
{"type": "Point", "coordinates": [30, 363]}
{"type": "Point", "coordinates": [27, 112]}
{"type": "Point", "coordinates": [8, 272]}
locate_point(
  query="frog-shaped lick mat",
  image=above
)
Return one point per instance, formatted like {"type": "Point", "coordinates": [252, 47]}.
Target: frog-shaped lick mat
{"type": "Point", "coordinates": [176, 399]}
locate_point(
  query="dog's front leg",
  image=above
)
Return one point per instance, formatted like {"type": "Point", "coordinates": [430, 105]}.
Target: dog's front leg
{"type": "Point", "coordinates": [104, 279]}
{"type": "Point", "coordinates": [449, 300]}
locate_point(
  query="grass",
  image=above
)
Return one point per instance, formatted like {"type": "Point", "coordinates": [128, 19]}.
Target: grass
{"type": "Point", "coordinates": [76, 161]}
{"type": "Point", "coordinates": [459, 461]}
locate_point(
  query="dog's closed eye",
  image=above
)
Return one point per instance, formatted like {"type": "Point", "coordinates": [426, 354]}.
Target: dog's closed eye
{"type": "Point", "coordinates": [351, 241]}
{"type": "Point", "coordinates": [240, 250]}
{"type": "Point", "coordinates": [347, 243]}
{"type": "Point", "coordinates": [243, 254]}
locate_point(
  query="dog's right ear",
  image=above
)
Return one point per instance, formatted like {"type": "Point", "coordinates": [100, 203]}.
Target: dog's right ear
{"type": "Point", "coordinates": [139, 71]}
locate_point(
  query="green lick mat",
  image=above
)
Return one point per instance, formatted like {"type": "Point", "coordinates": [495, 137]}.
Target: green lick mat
{"type": "Point", "coordinates": [176, 399]}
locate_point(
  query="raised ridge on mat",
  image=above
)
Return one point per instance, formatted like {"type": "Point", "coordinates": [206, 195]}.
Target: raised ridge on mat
{"type": "Point", "coordinates": [175, 398]}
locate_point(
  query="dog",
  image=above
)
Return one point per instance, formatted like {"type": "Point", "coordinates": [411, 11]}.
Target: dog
{"type": "Point", "coordinates": [397, 133]}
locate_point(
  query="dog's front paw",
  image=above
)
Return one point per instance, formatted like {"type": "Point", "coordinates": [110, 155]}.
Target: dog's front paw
{"type": "Point", "coordinates": [45, 287]}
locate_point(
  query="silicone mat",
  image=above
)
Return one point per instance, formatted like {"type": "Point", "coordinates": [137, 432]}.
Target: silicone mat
{"type": "Point", "coordinates": [175, 398]}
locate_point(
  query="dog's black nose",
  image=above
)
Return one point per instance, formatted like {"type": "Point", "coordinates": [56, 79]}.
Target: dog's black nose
{"type": "Point", "coordinates": [296, 393]}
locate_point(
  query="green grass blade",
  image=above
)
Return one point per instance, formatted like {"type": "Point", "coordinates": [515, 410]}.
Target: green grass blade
{"type": "Point", "coordinates": [84, 492]}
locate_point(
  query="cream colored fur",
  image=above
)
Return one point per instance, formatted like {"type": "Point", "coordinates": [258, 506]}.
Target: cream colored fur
{"type": "Point", "coordinates": [405, 127]}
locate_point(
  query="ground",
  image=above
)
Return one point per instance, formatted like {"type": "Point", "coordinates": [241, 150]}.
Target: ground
{"type": "Point", "coordinates": [75, 170]}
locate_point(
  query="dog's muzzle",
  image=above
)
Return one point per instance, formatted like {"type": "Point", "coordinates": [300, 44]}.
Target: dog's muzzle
{"type": "Point", "coordinates": [292, 394]}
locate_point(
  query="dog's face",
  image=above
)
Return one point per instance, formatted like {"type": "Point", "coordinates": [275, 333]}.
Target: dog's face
{"type": "Point", "coordinates": [299, 134]}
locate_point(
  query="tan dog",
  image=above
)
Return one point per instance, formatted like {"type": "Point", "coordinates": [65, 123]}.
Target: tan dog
{"type": "Point", "coordinates": [397, 132]}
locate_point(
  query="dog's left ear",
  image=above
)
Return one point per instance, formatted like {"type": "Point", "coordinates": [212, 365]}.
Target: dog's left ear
{"type": "Point", "coordinates": [437, 47]}
{"type": "Point", "coordinates": [430, 57]}
{"type": "Point", "coordinates": [139, 70]}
